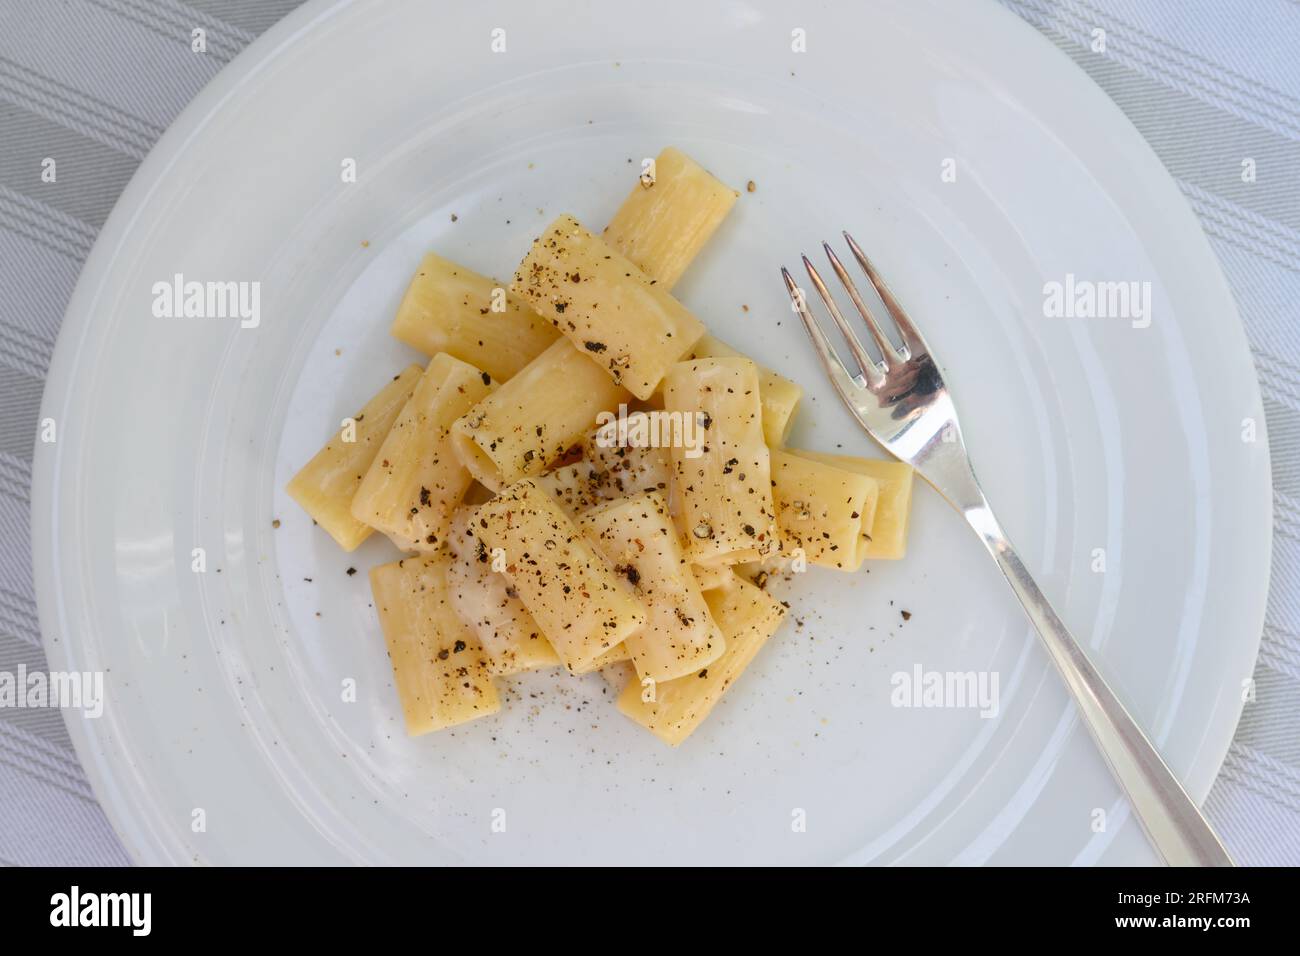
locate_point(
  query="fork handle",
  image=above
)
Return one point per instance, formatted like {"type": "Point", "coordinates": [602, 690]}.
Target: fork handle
{"type": "Point", "coordinates": [1172, 821]}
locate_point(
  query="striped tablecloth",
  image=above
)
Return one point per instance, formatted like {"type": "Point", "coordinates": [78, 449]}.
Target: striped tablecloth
{"type": "Point", "coordinates": [95, 82]}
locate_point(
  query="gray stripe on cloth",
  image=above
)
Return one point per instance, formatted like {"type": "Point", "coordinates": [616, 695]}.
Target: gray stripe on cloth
{"type": "Point", "coordinates": [107, 69]}
{"type": "Point", "coordinates": [253, 17]}
{"type": "Point", "coordinates": [16, 479]}
{"type": "Point", "coordinates": [89, 174]}
{"type": "Point", "coordinates": [19, 412]}
{"type": "Point", "coordinates": [1197, 143]}
{"type": "Point", "coordinates": [175, 23]}
{"type": "Point", "coordinates": [62, 106]}
{"type": "Point", "coordinates": [18, 616]}
{"type": "Point", "coordinates": [1250, 805]}
{"type": "Point", "coordinates": [1071, 24]}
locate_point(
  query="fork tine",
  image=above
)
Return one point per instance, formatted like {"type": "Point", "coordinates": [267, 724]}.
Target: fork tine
{"type": "Point", "coordinates": [911, 334]}
{"type": "Point", "coordinates": [865, 361]}
{"type": "Point", "coordinates": [888, 353]}
{"type": "Point", "coordinates": [844, 382]}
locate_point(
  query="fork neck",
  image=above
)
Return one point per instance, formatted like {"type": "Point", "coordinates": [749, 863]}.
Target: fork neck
{"type": "Point", "coordinates": [946, 466]}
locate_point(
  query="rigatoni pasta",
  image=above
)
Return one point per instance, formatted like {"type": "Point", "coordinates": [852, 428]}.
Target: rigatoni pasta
{"type": "Point", "coordinates": [669, 216]}
{"type": "Point", "coordinates": [588, 478]}
{"type": "Point", "coordinates": [582, 605]}
{"type": "Point", "coordinates": [893, 506]}
{"type": "Point", "coordinates": [626, 460]}
{"type": "Point", "coordinates": [416, 480]}
{"type": "Point", "coordinates": [608, 470]}
{"type": "Point", "coordinates": [618, 654]}
{"type": "Point", "coordinates": [618, 675]}
{"type": "Point", "coordinates": [488, 603]}
{"type": "Point", "coordinates": [575, 487]}
{"type": "Point", "coordinates": [672, 711]}
{"type": "Point", "coordinates": [779, 395]}
{"type": "Point", "coordinates": [713, 576]}
{"type": "Point", "coordinates": [638, 537]}
{"type": "Point", "coordinates": [324, 487]}
{"type": "Point", "coordinates": [725, 491]}
{"type": "Point", "coordinates": [439, 666]}
{"type": "Point", "coordinates": [607, 307]}
{"type": "Point", "coordinates": [824, 510]}
{"type": "Point", "coordinates": [448, 308]}
{"type": "Point", "coordinates": [534, 418]}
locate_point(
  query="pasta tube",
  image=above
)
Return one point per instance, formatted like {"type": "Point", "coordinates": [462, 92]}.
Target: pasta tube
{"type": "Point", "coordinates": [607, 471]}
{"type": "Point", "coordinates": [583, 607]}
{"type": "Point", "coordinates": [534, 418]}
{"type": "Point", "coordinates": [824, 509]}
{"type": "Point", "coordinates": [324, 487]}
{"type": "Point", "coordinates": [666, 220]}
{"type": "Point", "coordinates": [725, 488]}
{"type": "Point", "coordinates": [416, 481]}
{"type": "Point", "coordinates": [448, 308]}
{"type": "Point", "coordinates": [748, 617]}
{"type": "Point", "coordinates": [619, 654]}
{"type": "Point", "coordinates": [607, 307]}
{"type": "Point", "coordinates": [618, 675]}
{"type": "Point", "coordinates": [489, 604]}
{"type": "Point", "coordinates": [893, 506]}
{"type": "Point", "coordinates": [439, 667]}
{"type": "Point", "coordinates": [630, 454]}
{"type": "Point", "coordinates": [780, 395]}
{"type": "Point", "coordinates": [637, 536]}
{"type": "Point", "coordinates": [575, 487]}
{"type": "Point", "coordinates": [710, 577]}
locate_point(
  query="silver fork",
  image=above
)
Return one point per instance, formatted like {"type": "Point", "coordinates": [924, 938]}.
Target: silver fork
{"type": "Point", "coordinates": [903, 404]}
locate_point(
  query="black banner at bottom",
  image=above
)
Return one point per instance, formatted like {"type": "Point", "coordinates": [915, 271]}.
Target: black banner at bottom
{"type": "Point", "coordinates": [336, 906]}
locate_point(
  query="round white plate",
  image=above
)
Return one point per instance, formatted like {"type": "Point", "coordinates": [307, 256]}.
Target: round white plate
{"type": "Point", "coordinates": [226, 737]}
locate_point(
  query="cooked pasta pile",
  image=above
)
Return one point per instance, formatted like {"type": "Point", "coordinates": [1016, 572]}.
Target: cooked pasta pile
{"type": "Point", "coordinates": [584, 478]}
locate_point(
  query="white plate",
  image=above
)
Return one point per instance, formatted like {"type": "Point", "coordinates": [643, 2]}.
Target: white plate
{"type": "Point", "coordinates": [225, 687]}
